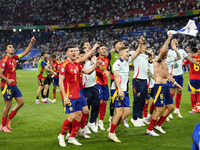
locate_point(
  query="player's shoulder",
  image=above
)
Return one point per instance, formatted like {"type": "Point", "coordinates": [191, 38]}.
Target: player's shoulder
{"type": "Point", "coordinates": [57, 62]}
{"type": "Point", "coordinates": [65, 63]}
{"type": "Point", "coordinates": [4, 59]}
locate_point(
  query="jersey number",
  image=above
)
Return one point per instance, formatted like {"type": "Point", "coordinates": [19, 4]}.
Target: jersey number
{"type": "Point", "coordinates": [161, 96]}
{"type": "Point", "coordinates": [75, 77]}
{"type": "Point", "coordinates": [196, 68]}
{"type": "Point", "coordinates": [8, 91]}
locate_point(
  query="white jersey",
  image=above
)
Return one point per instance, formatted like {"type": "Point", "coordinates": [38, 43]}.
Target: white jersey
{"type": "Point", "coordinates": [175, 67]}
{"type": "Point", "coordinates": [140, 66]}
{"type": "Point", "coordinates": [123, 68]}
{"type": "Point", "coordinates": [150, 81]}
{"type": "Point", "coordinates": [89, 80]}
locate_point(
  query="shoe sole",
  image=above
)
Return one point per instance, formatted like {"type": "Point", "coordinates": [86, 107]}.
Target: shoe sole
{"type": "Point", "coordinates": [114, 140]}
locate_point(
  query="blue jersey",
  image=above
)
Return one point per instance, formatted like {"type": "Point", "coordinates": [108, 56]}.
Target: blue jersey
{"type": "Point", "coordinates": [196, 137]}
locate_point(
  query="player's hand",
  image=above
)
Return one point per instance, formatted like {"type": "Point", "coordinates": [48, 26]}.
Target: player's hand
{"type": "Point", "coordinates": [106, 73]}
{"type": "Point", "coordinates": [179, 87]}
{"type": "Point", "coordinates": [120, 93]}
{"type": "Point", "coordinates": [95, 46]}
{"type": "Point", "coordinates": [142, 39]}
{"type": "Point", "coordinates": [11, 81]}
{"type": "Point", "coordinates": [99, 62]}
{"type": "Point", "coordinates": [33, 40]}
{"type": "Point", "coordinates": [55, 73]}
{"type": "Point", "coordinates": [66, 101]}
{"type": "Point", "coordinates": [170, 35]}
{"type": "Point", "coordinates": [113, 50]}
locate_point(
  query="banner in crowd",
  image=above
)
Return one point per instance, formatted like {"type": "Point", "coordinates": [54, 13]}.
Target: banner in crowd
{"type": "Point", "coordinates": [124, 20]}
{"type": "Point", "coordinates": [31, 54]}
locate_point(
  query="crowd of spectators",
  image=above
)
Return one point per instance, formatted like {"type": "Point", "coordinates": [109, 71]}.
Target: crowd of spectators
{"type": "Point", "coordinates": [65, 12]}
{"type": "Point", "coordinates": [56, 41]}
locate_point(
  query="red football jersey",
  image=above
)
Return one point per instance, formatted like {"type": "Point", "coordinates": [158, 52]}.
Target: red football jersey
{"type": "Point", "coordinates": [55, 66]}
{"type": "Point", "coordinates": [194, 72]}
{"type": "Point", "coordinates": [101, 78]}
{"type": "Point", "coordinates": [9, 64]}
{"type": "Point", "coordinates": [80, 77]}
{"type": "Point", "coordinates": [71, 81]}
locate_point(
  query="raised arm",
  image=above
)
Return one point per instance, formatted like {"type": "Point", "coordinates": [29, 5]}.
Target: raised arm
{"type": "Point", "coordinates": [178, 55]}
{"type": "Point", "coordinates": [163, 49]}
{"type": "Point", "coordinates": [88, 54]}
{"type": "Point", "coordinates": [29, 47]}
{"type": "Point", "coordinates": [138, 50]}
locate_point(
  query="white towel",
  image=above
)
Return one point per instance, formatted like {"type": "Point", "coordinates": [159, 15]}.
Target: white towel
{"type": "Point", "coordinates": [189, 29]}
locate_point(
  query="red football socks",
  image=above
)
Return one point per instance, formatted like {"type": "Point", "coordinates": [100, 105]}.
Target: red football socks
{"type": "Point", "coordinates": [113, 127]}
{"type": "Point", "coordinates": [84, 120]}
{"type": "Point", "coordinates": [12, 114]}
{"type": "Point", "coordinates": [198, 99]}
{"type": "Point", "coordinates": [161, 120]}
{"type": "Point", "coordinates": [75, 128]}
{"type": "Point", "coordinates": [178, 100]}
{"type": "Point", "coordinates": [54, 93]}
{"type": "Point", "coordinates": [65, 126]}
{"type": "Point", "coordinates": [152, 108]}
{"type": "Point", "coordinates": [152, 124]}
{"type": "Point", "coordinates": [193, 100]}
{"type": "Point", "coordinates": [145, 110]}
{"type": "Point", "coordinates": [102, 110]}
{"type": "Point", "coordinates": [172, 95]}
{"type": "Point", "coordinates": [3, 121]}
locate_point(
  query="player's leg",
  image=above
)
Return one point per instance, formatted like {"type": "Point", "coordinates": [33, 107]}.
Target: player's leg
{"type": "Point", "coordinates": [55, 84]}
{"type": "Point", "coordinates": [112, 108]}
{"type": "Point", "coordinates": [41, 86]}
{"type": "Point", "coordinates": [125, 120]}
{"type": "Point", "coordinates": [125, 114]}
{"type": "Point", "coordinates": [178, 97]}
{"type": "Point", "coordinates": [46, 87]}
{"type": "Point", "coordinates": [69, 109]}
{"type": "Point", "coordinates": [103, 104]}
{"type": "Point", "coordinates": [95, 103]}
{"type": "Point", "coordinates": [75, 126]}
{"type": "Point", "coordinates": [115, 121]}
{"type": "Point", "coordinates": [8, 104]}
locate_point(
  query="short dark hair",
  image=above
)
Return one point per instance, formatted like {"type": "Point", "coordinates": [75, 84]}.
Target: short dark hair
{"type": "Point", "coordinates": [82, 43]}
{"type": "Point", "coordinates": [53, 56]}
{"type": "Point", "coordinates": [116, 42]}
{"type": "Point", "coordinates": [82, 50]}
{"type": "Point", "coordinates": [43, 52]}
{"type": "Point", "coordinates": [171, 40]}
{"type": "Point", "coordinates": [123, 48]}
{"type": "Point", "coordinates": [100, 45]}
{"type": "Point", "coordinates": [194, 50]}
{"type": "Point", "coordinates": [68, 47]}
{"type": "Point", "coordinates": [7, 45]}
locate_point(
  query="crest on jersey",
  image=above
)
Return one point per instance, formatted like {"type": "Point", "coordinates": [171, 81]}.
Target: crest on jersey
{"type": "Point", "coordinates": [3, 64]}
{"type": "Point", "coordinates": [75, 71]}
{"type": "Point", "coordinates": [12, 64]}
{"type": "Point", "coordinates": [63, 70]}
{"type": "Point", "coordinates": [103, 63]}
{"type": "Point", "coordinates": [116, 57]}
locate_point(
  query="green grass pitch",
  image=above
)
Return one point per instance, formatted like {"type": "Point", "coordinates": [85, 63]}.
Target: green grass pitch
{"type": "Point", "coordinates": [36, 127]}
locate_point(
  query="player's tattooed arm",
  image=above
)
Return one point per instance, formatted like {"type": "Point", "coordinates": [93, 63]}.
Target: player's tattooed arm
{"type": "Point", "coordinates": [192, 60]}
{"type": "Point", "coordinates": [150, 74]}
{"type": "Point", "coordinates": [178, 55]}
{"type": "Point", "coordinates": [28, 49]}
{"type": "Point", "coordinates": [10, 81]}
